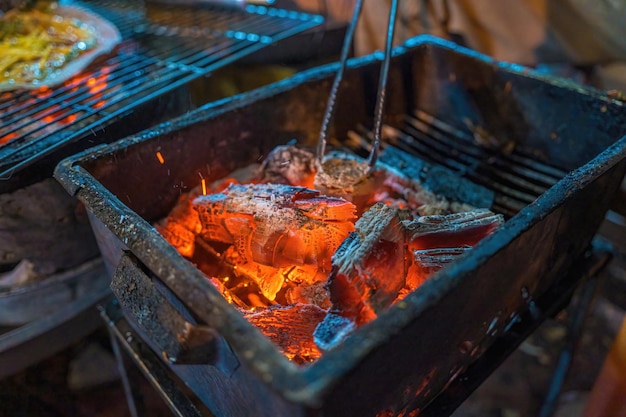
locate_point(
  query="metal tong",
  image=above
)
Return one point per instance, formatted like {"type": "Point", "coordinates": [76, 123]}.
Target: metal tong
{"type": "Point", "coordinates": [382, 84]}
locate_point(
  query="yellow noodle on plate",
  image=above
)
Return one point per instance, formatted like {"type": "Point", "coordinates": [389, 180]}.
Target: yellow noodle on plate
{"type": "Point", "coordinates": [44, 47]}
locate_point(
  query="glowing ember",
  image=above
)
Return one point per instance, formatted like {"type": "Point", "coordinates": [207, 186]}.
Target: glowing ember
{"type": "Point", "coordinates": [276, 229]}
{"type": "Point", "coordinates": [7, 138]}
{"type": "Point", "coordinates": [291, 258]}
{"type": "Point", "coordinates": [21, 123]}
{"type": "Point", "coordinates": [291, 328]}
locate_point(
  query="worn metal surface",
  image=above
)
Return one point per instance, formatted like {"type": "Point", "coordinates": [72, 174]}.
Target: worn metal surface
{"type": "Point", "coordinates": [398, 363]}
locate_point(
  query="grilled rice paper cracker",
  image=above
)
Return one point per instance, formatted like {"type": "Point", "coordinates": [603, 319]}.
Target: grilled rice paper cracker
{"type": "Point", "coordinates": [33, 56]}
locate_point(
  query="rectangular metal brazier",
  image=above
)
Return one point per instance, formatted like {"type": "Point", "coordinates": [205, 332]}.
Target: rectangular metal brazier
{"type": "Point", "coordinates": [551, 150]}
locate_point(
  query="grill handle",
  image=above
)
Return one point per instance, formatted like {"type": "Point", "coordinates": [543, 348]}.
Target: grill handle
{"type": "Point", "coordinates": [154, 313]}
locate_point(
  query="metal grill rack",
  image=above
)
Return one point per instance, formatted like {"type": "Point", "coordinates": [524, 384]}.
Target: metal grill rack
{"type": "Point", "coordinates": [164, 47]}
{"type": "Point", "coordinates": [516, 177]}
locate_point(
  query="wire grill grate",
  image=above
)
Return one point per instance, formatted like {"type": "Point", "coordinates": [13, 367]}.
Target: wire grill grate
{"type": "Point", "coordinates": [516, 178]}
{"type": "Point", "coordinates": [164, 47]}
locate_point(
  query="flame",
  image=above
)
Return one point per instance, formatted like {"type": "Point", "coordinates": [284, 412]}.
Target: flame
{"type": "Point", "coordinates": [7, 138]}
{"type": "Point", "coordinates": [44, 92]}
{"type": "Point", "coordinates": [70, 119]}
{"type": "Point", "coordinates": [160, 158]}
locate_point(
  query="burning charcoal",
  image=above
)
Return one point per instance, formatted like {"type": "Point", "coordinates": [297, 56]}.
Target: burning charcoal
{"type": "Point", "coordinates": [288, 165]}
{"type": "Point", "coordinates": [276, 226]}
{"type": "Point", "coordinates": [452, 230]}
{"type": "Point", "coordinates": [350, 177]}
{"type": "Point", "coordinates": [332, 330]}
{"type": "Point", "coordinates": [309, 294]}
{"type": "Point", "coordinates": [438, 179]}
{"type": "Point", "coordinates": [428, 261]}
{"type": "Point", "coordinates": [182, 225]}
{"type": "Point", "coordinates": [291, 329]}
{"type": "Point", "coordinates": [369, 268]}
{"type": "Point", "coordinates": [299, 281]}
{"type": "Point", "coordinates": [270, 280]}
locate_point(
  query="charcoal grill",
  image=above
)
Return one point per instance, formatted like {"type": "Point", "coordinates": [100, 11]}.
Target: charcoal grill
{"type": "Point", "coordinates": [552, 151]}
{"type": "Point", "coordinates": [141, 83]}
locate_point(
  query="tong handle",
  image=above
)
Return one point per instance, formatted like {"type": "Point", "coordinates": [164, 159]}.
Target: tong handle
{"type": "Point", "coordinates": [381, 95]}
{"type": "Point", "coordinates": [382, 83]}
{"type": "Point", "coordinates": [332, 98]}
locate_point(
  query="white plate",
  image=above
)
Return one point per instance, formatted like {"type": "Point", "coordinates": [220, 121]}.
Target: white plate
{"type": "Point", "coordinates": [107, 37]}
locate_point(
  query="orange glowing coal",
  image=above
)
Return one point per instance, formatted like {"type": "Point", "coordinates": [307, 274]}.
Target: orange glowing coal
{"type": "Point", "coordinates": [294, 260]}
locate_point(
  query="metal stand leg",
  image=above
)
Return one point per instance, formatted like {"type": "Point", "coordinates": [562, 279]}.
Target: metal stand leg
{"type": "Point", "coordinates": [575, 327]}
{"type": "Point", "coordinates": [129, 380]}
{"type": "Point", "coordinates": [135, 361]}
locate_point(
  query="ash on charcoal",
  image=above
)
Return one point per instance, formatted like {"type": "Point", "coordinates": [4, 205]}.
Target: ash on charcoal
{"type": "Point", "coordinates": [332, 330]}
{"type": "Point", "coordinates": [438, 179]}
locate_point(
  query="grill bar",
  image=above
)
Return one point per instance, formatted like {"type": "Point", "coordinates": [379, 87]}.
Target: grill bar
{"type": "Point", "coordinates": [516, 179]}
{"type": "Point", "coordinates": [164, 48]}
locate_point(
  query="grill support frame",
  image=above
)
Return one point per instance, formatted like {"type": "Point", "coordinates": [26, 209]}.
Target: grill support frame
{"type": "Point", "coordinates": [334, 384]}
{"type": "Point", "coordinates": [583, 278]}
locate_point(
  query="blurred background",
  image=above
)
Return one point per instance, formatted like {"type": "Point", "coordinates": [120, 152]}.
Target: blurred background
{"type": "Point", "coordinates": [581, 40]}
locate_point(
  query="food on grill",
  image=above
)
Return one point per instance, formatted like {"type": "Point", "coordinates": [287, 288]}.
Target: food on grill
{"type": "Point", "coordinates": [285, 242]}
{"type": "Point", "coordinates": [46, 44]}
